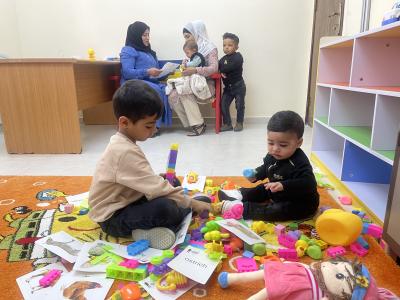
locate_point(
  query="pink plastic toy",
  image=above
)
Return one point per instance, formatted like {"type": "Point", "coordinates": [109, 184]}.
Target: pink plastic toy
{"type": "Point", "coordinates": [279, 229]}
{"type": "Point", "coordinates": [336, 251]}
{"type": "Point", "coordinates": [286, 241]}
{"type": "Point", "coordinates": [236, 212]}
{"type": "Point", "coordinates": [228, 250]}
{"type": "Point", "coordinates": [345, 200]}
{"type": "Point", "coordinates": [130, 263]}
{"type": "Point", "coordinates": [288, 254]}
{"type": "Point", "coordinates": [358, 249]}
{"type": "Point", "coordinates": [244, 264]}
{"type": "Point", "coordinates": [375, 231]}
{"type": "Point", "coordinates": [50, 277]}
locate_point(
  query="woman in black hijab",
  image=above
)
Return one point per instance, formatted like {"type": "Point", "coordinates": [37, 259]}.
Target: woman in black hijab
{"type": "Point", "coordinates": [139, 61]}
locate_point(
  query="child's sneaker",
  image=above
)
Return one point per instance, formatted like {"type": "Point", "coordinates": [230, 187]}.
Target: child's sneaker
{"type": "Point", "coordinates": [230, 195]}
{"type": "Point", "coordinates": [159, 237]}
{"type": "Point", "coordinates": [226, 128]}
{"type": "Point", "coordinates": [238, 127]}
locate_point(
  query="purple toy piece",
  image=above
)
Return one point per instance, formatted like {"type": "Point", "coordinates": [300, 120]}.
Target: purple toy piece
{"type": "Point", "coordinates": [336, 251]}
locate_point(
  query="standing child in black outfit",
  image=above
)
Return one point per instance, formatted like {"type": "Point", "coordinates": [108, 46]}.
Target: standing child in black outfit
{"type": "Point", "coordinates": [231, 67]}
{"type": "Point", "coordinates": [291, 192]}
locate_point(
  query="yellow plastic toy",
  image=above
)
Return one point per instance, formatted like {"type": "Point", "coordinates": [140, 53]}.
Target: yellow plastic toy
{"type": "Point", "coordinates": [91, 54]}
{"type": "Point", "coordinates": [215, 235]}
{"type": "Point", "coordinates": [171, 281]}
{"type": "Point", "coordinates": [338, 227]}
{"type": "Point", "coordinates": [192, 177]}
{"type": "Point", "coordinates": [260, 226]}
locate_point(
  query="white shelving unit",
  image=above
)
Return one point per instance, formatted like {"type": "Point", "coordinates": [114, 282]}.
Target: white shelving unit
{"type": "Point", "coordinates": [357, 112]}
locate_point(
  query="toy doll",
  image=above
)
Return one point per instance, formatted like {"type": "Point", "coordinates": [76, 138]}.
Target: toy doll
{"type": "Point", "coordinates": [334, 279]}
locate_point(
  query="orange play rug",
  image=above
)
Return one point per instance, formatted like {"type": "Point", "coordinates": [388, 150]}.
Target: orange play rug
{"type": "Point", "coordinates": [24, 217]}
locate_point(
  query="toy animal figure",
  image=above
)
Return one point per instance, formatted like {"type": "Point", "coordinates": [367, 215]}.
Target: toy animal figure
{"type": "Point", "coordinates": [334, 279]}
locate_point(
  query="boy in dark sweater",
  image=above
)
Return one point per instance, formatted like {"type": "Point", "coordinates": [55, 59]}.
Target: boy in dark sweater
{"type": "Point", "coordinates": [291, 191]}
{"type": "Point", "coordinates": [231, 68]}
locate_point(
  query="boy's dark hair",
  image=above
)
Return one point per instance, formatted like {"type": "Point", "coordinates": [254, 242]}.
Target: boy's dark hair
{"type": "Point", "coordinates": [136, 100]}
{"type": "Point", "coordinates": [286, 120]}
{"type": "Point", "coordinates": [233, 37]}
{"type": "Point", "coordinates": [192, 45]}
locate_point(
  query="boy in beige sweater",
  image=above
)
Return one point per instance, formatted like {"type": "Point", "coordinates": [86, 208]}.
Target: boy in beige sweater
{"type": "Point", "coordinates": [126, 197]}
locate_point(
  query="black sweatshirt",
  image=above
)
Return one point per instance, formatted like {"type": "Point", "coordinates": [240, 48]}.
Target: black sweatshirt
{"type": "Point", "coordinates": [295, 174]}
{"type": "Point", "coordinates": [232, 66]}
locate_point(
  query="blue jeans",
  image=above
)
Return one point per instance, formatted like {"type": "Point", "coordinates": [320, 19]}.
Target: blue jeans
{"type": "Point", "coordinates": [235, 91]}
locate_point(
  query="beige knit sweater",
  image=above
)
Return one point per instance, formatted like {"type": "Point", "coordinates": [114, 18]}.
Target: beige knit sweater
{"type": "Point", "coordinates": [122, 176]}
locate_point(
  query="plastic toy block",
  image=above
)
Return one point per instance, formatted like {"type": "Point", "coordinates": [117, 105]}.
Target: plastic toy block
{"type": "Point", "coordinates": [119, 272]}
{"type": "Point", "coordinates": [279, 229]}
{"type": "Point", "coordinates": [269, 228]}
{"type": "Point", "coordinates": [294, 235]}
{"type": "Point", "coordinates": [288, 254]}
{"type": "Point", "coordinates": [293, 226]}
{"type": "Point", "coordinates": [173, 155]}
{"type": "Point", "coordinates": [363, 243]}
{"type": "Point", "coordinates": [345, 200]}
{"type": "Point", "coordinates": [359, 213]}
{"type": "Point", "coordinates": [374, 231]}
{"type": "Point", "coordinates": [50, 277]}
{"type": "Point", "coordinates": [138, 247]}
{"type": "Point", "coordinates": [286, 241]}
{"type": "Point", "coordinates": [129, 263]}
{"type": "Point", "coordinates": [174, 146]}
{"type": "Point", "coordinates": [245, 264]}
{"type": "Point", "coordinates": [358, 249]}
{"type": "Point", "coordinates": [228, 250]}
{"type": "Point", "coordinates": [336, 251]}
{"type": "Point", "coordinates": [83, 211]}
{"type": "Point", "coordinates": [171, 170]}
{"type": "Point", "coordinates": [248, 254]}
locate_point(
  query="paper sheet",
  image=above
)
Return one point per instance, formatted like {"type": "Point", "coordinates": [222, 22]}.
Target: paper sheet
{"type": "Point", "coordinates": [169, 67]}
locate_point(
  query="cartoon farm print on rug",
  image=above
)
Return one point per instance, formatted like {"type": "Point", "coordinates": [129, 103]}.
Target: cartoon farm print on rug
{"type": "Point", "coordinates": [41, 223]}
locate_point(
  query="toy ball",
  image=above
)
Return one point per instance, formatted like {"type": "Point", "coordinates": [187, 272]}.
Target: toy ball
{"type": "Point", "coordinates": [338, 227]}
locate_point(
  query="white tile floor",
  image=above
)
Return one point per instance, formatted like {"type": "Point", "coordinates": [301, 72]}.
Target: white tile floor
{"type": "Point", "coordinates": [224, 154]}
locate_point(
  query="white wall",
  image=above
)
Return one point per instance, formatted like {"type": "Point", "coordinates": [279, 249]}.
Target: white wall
{"type": "Point", "coordinates": [9, 37]}
{"type": "Point", "coordinates": [275, 37]}
{"type": "Point", "coordinates": [352, 15]}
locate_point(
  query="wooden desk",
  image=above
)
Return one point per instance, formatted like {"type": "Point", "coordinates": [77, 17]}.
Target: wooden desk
{"type": "Point", "coordinates": [40, 100]}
